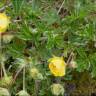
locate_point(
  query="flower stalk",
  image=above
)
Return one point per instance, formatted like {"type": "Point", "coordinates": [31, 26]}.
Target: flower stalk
{"type": "Point", "coordinates": [24, 78]}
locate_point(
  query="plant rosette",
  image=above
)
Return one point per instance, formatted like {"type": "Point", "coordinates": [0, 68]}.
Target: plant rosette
{"type": "Point", "coordinates": [4, 22]}
{"type": "Point", "coordinates": [57, 66]}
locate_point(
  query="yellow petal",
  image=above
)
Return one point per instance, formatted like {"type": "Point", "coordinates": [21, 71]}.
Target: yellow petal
{"type": "Point", "coordinates": [4, 22]}
{"type": "Point", "coordinates": [57, 66]}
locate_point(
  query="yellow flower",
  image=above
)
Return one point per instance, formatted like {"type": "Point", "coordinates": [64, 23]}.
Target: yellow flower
{"type": "Point", "coordinates": [57, 66]}
{"type": "Point", "coordinates": [4, 22]}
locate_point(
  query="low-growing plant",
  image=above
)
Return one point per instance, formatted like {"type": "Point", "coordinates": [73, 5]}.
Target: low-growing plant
{"type": "Point", "coordinates": [44, 44]}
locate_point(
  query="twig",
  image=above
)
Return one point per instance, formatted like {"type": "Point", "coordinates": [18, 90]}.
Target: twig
{"type": "Point", "coordinates": [15, 21]}
{"type": "Point", "coordinates": [61, 7]}
{"type": "Point", "coordinates": [71, 54]}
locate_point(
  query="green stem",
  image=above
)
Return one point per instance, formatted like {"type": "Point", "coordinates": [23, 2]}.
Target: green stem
{"type": "Point", "coordinates": [1, 62]}
{"type": "Point", "coordinates": [0, 54]}
{"type": "Point", "coordinates": [4, 70]}
{"type": "Point", "coordinates": [0, 44]}
{"type": "Point", "coordinates": [58, 79]}
{"type": "Point", "coordinates": [36, 87]}
{"type": "Point", "coordinates": [24, 78]}
{"type": "Point", "coordinates": [1, 71]}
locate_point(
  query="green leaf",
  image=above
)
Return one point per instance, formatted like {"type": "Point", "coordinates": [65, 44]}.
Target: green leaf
{"type": "Point", "coordinates": [16, 49]}
{"type": "Point", "coordinates": [18, 5]}
{"type": "Point", "coordinates": [51, 17]}
{"type": "Point", "coordinates": [25, 33]}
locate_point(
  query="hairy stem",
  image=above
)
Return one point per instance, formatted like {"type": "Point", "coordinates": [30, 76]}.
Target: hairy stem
{"type": "Point", "coordinates": [3, 68]}
{"type": "Point", "coordinates": [24, 78]}
{"type": "Point", "coordinates": [37, 86]}
{"type": "Point", "coordinates": [0, 56]}
{"type": "Point", "coordinates": [1, 62]}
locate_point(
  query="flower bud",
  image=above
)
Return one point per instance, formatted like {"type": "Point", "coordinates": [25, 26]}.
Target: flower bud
{"type": "Point", "coordinates": [7, 38]}
{"type": "Point", "coordinates": [6, 81]}
{"type": "Point", "coordinates": [57, 89]}
{"type": "Point", "coordinates": [4, 92]}
{"type": "Point", "coordinates": [35, 74]}
{"type": "Point", "coordinates": [22, 93]}
{"type": "Point", "coordinates": [73, 64]}
{"type": "Point", "coordinates": [40, 76]}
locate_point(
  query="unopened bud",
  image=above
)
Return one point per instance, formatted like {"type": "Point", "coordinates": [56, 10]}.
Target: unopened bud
{"type": "Point", "coordinates": [73, 64]}
{"type": "Point", "coordinates": [57, 89]}
{"type": "Point", "coordinates": [7, 38]}
{"type": "Point", "coordinates": [35, 74]}
{"type": "Point", "coordinates": [22, 93]}
{"type": "Point", "coordinates": [4, 92]}
{"type": "Point", "coordinates": [6, 81]}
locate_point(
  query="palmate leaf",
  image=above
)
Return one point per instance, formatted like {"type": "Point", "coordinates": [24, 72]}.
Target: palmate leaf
{"type": "Point", "coordinates": [17, 5]}
{"type": "Point", "coordinates": [16, 49]}
{"type": "Point", "coordinates": [82, 60]}
{"type": "Point", "coordinates": [25, 33]}
{"type": "Point", "coordinates": [51, 17]}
